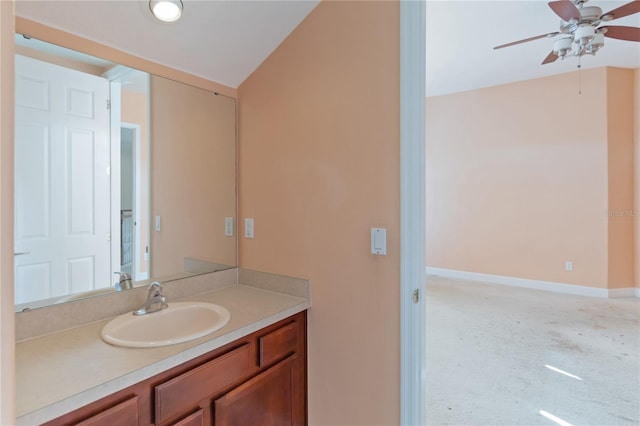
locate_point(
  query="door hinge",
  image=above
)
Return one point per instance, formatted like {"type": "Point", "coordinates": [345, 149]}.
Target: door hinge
{"type": "Point", "coordinates": [108, 170]}
{"type": "Point", "coordinates": [416, 295]}
{"type": "Point", "coordinates": [108, 103]}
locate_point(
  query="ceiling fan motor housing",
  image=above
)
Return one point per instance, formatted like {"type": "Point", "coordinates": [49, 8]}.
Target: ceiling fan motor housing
{"type": "Point", "coordinates": [588, 16]}
{"type": "Point", "coordinates": [590, 13]}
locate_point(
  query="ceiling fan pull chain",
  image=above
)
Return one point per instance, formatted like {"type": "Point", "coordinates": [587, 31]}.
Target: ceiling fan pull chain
{"type": "Point", "coordinates": [579, 75]}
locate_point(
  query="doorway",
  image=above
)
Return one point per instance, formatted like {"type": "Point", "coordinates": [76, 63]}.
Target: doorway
{"type": "Point", "coordinates": [129, 188]}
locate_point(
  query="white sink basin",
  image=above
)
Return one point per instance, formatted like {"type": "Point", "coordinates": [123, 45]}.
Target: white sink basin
{"type": "Point", "coordinates": [180, 322]}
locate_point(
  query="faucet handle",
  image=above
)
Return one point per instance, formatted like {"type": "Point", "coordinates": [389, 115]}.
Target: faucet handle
{"type": "Point", "coordinates": [156, 301]}
{"type": "Point", "coordinates": [155, 288]}
{"type": "Point", "coordinates": [124, 281]}
{"type": "Point", "coordinates": [155, 294]}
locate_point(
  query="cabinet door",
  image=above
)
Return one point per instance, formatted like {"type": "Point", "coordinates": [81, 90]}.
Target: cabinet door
{"type": "Point", "coordinates": [272, 398]}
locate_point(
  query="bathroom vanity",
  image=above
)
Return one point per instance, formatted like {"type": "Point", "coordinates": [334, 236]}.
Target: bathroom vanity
{"type": "Point", "coordinates": [259, 379]}
{"type": "Point", "coordinates": [250, 372]}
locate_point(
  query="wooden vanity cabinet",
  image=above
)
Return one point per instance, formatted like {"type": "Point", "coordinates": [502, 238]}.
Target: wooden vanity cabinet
{"type": "Point", "coordinates": [259, 379]}
{"type": "Point", "coordinates": [269, 399]}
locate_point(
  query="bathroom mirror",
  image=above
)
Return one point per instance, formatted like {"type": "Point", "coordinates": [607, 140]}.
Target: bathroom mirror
{"type": "Point", "coordinates": [116, 171]}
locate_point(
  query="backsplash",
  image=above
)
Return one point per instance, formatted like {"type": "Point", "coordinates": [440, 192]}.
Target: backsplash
{"type": "Point", "coordinates": [53, 318]}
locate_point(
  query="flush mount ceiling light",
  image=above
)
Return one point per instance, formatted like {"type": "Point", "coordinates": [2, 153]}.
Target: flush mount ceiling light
{"type": "Point", "coordinates": [166, 10]}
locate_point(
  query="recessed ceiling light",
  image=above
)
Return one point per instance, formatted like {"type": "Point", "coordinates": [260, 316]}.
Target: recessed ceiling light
{"type": "Point", "coordinates": [166, 10]}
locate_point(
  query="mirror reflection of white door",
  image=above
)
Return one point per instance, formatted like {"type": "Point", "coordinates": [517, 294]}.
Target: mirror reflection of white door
{"type": "Point", "coordinates": [62, 192]}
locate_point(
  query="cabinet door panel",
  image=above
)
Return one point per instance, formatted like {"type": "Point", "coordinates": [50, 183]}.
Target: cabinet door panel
{"type": "Point", "coordinates": [266, 400]}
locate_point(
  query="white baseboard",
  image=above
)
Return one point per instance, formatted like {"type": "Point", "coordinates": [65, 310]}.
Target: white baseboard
{"type": "Point", "coordinates": [624, 292]}
{"type": "Point", "coordinates": [535, 284]}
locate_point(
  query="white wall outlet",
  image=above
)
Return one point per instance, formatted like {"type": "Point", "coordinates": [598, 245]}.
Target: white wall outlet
{"type": "Point", "coordinates": [228, 226]}
{"type": "Point", "coordinates": [248, 228]}
{"type": "Point", "coordinates": [568, 265]}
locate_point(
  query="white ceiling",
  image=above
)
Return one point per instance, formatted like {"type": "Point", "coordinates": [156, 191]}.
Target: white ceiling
{"type": "Point", "coordinates": [225, 41]}
{"type": "Point", "coordinates": [461, 36]}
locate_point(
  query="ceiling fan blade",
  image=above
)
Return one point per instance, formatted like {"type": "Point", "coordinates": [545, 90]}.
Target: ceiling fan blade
{"type": "Point", "coordinates": [526, 40]}
{"type": "Point", "coordinates": [551, 57]}
{"type": "Point", "coordinates": [565, 9]}
{"type": "Point", "coordinates": [622, 33]}
{"type": "Point", "coordinates": [622, 11]}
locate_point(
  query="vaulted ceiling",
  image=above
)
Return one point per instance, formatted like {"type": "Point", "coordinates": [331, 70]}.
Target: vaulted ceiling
{"type": "Point", "coordinates": [225, 41]}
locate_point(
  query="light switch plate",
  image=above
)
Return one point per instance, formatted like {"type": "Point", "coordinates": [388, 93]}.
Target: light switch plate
{"type": "Point", "coordinates": [228, 226]}
{"type": "Point", "coordinates": [157, 223]}
{"type": "Point", "coordinates": [248, 228]}
{"type": "Point", "coordinates": [379, 241]}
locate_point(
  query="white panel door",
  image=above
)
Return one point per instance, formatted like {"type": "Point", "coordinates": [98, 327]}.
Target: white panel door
{"type": "Point", "coordinates": [61, 183]}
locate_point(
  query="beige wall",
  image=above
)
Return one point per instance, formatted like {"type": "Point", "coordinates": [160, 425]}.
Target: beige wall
{"type": "Point", "coordinates": [135, 111]}
{"type": "Point", "coordinates": [7, 342]}
{"type": "Point", "coordinates": [519, 179]}
{"type": "Point", "coordinates": [193, 175]}
{"type": "Point", "coordinates": [620, 111]}
{"type": "Point", "coordinates": [319, 166]}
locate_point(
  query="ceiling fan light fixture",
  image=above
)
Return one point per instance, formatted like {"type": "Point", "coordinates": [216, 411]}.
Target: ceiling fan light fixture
{"type": "Point", "coordinates": [166, 10]}
{"type": "Point", "coordinates": [584, 34]}
{"type": "Point", "coordinates": [562, 47]}
{"type": "Point", "coordinates": [595, 44]}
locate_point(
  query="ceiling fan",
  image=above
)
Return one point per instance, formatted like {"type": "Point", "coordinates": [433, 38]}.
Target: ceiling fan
{"type": "Point", "coordinates": [579, 29]}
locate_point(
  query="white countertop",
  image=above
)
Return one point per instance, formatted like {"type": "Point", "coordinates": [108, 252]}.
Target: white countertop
{"type": "Point", "coordinates": [61, 372]}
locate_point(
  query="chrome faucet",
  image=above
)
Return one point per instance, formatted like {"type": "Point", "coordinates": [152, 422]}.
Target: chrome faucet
{"type": "Point", "coordinates": [155, 300]}
{"type": "Point", "coordinates": [124, 281]}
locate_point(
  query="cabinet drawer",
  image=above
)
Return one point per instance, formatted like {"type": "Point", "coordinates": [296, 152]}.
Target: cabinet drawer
{"type": "Point", "coordinates": [278, 344]}
{"type": "Point", "coordinates": [182, 393]}
{"type": "Point", "coordinates": [124, 414]}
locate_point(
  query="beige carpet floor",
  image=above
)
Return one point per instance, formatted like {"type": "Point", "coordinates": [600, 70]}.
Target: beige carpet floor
{"type": "Point", "coordinates": [499, 355]}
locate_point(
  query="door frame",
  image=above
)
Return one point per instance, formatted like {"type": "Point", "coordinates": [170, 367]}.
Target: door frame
{"type": "Point", "coordinates": [135, 272]}
{"type": "Point", "coordinates": [412, 213]}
